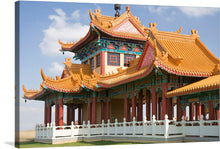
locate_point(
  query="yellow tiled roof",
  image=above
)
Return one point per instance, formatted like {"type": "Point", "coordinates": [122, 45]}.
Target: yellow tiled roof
{"type": "Point", "coordinates": [107, 24]}
{"type": "Point", "coordinates": [182, 54]}
{"type": "Point", "coordinates": [32, 93]}
{"type": "Point", "coordinates": [209, 83]}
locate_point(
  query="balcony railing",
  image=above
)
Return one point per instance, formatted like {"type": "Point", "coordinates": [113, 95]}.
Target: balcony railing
{"type": "Point", "coordinates": [152, 129]}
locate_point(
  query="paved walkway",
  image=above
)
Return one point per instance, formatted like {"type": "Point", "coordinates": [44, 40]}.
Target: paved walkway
{"type": "Point", "coordinates": [27, 135]}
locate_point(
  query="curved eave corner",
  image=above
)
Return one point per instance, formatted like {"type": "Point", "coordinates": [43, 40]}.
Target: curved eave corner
{"type": "Point", "coordinates": [63, 90]}
{"type": "Point", "coordinates": [70, 49]}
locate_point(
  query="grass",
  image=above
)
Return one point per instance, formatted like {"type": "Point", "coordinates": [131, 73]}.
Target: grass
{"type": "Point", "coordinates": [33, 144]}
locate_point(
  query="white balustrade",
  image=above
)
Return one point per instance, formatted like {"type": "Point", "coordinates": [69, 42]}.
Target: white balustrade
{"type": "Point", "coordinates": [154, 128]}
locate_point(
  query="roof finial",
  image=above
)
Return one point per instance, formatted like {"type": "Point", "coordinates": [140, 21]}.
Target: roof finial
{"type": "Point", "coordinates": [117, 8]}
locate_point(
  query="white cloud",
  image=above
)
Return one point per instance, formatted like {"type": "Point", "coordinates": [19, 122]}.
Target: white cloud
{"type": "Point", "coordinates": [56, 68]}
{"type": "Point", "coordinates": [75, 14]}
{"type": "Point", "coordinates": [198, 11]}
{"type": "Point", "coordinates": [159, 10]}
{"type": "Point", "coordinates": [63, 28]}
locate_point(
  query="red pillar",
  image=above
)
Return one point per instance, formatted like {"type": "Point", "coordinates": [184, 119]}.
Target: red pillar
{"type": "Point", "coordinates": [126, 107]}
{"type": "Point", "coordinates": [184, 114]}
{"type": "Point", "coordinates": [49, 114]}
{"type": "Point", "coordinates": [203, 111]}
{"type": "Point", "coordinates": [148, 105]}
{"type": "Point", "coordinates": [191, 111]}
{"type": "Point", "coordinates": [133, 101]}
{"type": "Point", "coordinates": [159, 109]}
{"type": "Point", "coordinates": [164, 99]}
{"type": "Point", "coordinates": [170, 108]}
{"type": "Point", "coordinates": [129, 111]}
{"type": "Point", "coordinates": [140, 106]}
{"type": "Point", "coordinates": [89, 110]}
{"type": "Point", "coordinates": [211, 116]}
{"type": "Point", "coordinates": [102, 62]}
{"type": "Point", "coordinates": [61, 112]}
{"type": "Point", "coordinates": [68, 115]}
{"type": "Point", "coordinates": [179, 109]}
{"type": "Point", "coordinates": [154, 101]}
{"type": "Point", "coordinates": [94, 110]}
{"type": "Point", "coordinates": [57, 112]}
{"type": "Point", "coordinates": [107, 109]}
{"type": "Point", "coordinates": [198, 111]}
{"type": "Point", "coordinates": [218, 114]}
{"type": "Point", "coordinates": [102, 111]}
{"type": "Point", "coordinates": [80, 114]}
{"type": "Point", "coordinates": [45, 113]}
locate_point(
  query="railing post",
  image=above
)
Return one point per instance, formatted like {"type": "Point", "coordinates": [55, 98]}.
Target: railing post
{"type": "Point", "coordinates": [103, 127]}
{"type": "Point", "coordinates": [108, 127]}
{"type": "Point", "coordinates": [36, 131]}
{"type": "Point", "coordinates": [153, 125]}
{"type": "Point", "coordinates": [201, 123]}
{"type": "Point", "coordinates": [183, 122]}
{"type": "Point", "coordinates": [144, 125]}
{"type": "Point", "coordinates": [88, 128]}
{"type": "Point", "coordinates": [53, 131]}
{"type": "Point", "coordinates": [133, 125]}
{"type": "Point", "coordinates": [43, 131]}
{"type": "Point", "coordinates": [116, 123]}
{"type": "Point", "coordinates": [72, 129]}
{"type": "Point", "coordinates": [124, 126]}
{"type": "Point", "coordinates": [83, 128]}
{"type": "Point", "coordinates": [166, 126]}
{"type": "Point", "coordinates": [47, 130]}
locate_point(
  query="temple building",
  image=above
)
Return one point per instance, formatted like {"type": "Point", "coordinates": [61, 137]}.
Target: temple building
{"type": "Point", "coordinates": [126, 66]}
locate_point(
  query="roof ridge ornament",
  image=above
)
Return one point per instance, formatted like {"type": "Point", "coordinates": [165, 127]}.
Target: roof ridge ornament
{"type": "Point", "coordinates": [153, 26]}
{"type": "Point", "coordinates": [179, 30]}
{"type": "Point", "coordinates": [43, 75]}
{"type": "Point", "coordinates": [127, 8]}
{"type": "Point", "coordinates": [194, 33]}
{"type": "Point", "coordinates": [24, 89]}
{"type": "Point", "coordinates": [68, 61]}
{"type": "Point", "coordinates": [117, 8]}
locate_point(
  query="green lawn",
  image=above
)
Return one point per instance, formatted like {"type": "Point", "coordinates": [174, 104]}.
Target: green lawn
{"type": "Point", "coordinates": [36, 144]}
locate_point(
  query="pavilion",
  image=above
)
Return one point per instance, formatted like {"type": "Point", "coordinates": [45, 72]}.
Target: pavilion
{"type": "Point", "coordinates": [126, 66]}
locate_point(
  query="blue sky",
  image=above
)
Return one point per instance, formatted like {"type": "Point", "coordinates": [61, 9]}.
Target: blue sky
{"type": "Point", "coordinates": [43, 23]}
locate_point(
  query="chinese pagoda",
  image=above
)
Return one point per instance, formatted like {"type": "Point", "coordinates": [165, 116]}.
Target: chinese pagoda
{"type": "Point", "coordinates": [125, 66]}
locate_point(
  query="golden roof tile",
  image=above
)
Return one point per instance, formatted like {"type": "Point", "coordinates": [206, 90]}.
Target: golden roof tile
{"type": "Point", "coordinates": [183, 54]}
{"type": "Point", "coordinates": [31, 93]}
{"type": "Point", "coordinates": [209, 83]}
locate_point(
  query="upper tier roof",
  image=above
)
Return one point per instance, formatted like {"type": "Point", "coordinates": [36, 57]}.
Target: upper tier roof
{"type": "Point", "coordinates": [176, 53]}
{"type": "Point", "coordinates": [179, 54]}
{"type": "Point", "coordinates": [125, 26]}
{"type": "Point", "coordinates": [183, 55]}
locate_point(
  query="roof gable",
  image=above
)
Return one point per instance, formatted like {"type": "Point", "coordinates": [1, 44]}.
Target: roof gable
{"type": "Point", "coordinates": [127, 26]}
{"type": "Point", "coordinates": [147, 56]}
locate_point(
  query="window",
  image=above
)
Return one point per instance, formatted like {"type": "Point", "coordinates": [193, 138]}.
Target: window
{"type": "Point", "coordinates": [92, 63]}
{"type": "Point", "coordinates": [98, 60]}
{"type": "Point", "coordinates": [114, 59]}
{"type": "Point", "coordinates": [128, 58]}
